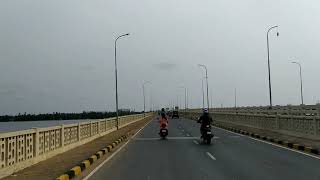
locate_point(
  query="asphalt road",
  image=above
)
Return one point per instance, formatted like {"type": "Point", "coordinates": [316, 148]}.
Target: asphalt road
{"type": "Point", "coordinates": [184, 157]}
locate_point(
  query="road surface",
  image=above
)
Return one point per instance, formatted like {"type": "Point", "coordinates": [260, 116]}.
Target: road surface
{"type": "Point", "coordinates": [184, 157]}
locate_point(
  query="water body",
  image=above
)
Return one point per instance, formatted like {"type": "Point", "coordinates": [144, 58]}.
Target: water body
{"type": "Point", "coordinates": [22, 125]}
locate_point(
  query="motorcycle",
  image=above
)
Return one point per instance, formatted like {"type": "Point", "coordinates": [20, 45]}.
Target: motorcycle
{"type": "Point", "coordinates": [163, 131]}
{"type": "Point", "coordinates": [207, 134]}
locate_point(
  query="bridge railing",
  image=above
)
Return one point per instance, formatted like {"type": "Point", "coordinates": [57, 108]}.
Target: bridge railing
{"type": "Point", "coordinates": [302, 110]}
{"type": "Point", "coordinates": [300, 126]}
{"type": "Point", "coordinates": [24, 148]}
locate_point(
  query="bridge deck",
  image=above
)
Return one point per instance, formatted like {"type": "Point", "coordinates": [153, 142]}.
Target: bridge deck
{"type": "Point", "coordinates": [182, 156]}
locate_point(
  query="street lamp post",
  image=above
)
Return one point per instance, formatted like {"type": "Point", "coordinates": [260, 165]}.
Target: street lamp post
{"type": "Point", "coordinates": [116, 73]}
{"type": "Point", "coordinates": [144, 97]}
{"type": "Point", "coordinates": [301, 93]}
{"type": "Point", "coordinates": [202, 93]}
{"type": "Point", "coordinates": [185, 97]}
{"type": "Point", "coordinates": [270, 93]}
{"type": "Point", "coordinates": [235, 98]}
{"type": "Point", "coordinates": [201, 65]}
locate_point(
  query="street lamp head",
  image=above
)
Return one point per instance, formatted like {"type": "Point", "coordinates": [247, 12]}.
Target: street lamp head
{"type": "Point", "coordinates": [127, 34]}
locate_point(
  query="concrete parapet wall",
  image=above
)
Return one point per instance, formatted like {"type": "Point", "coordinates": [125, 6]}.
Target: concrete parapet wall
{"type": "Point", "coordinates": [21, 149]}
{"type": "Point", "coordinates": [302, 110]}
{"type": "Point", "coordinates": [300, 126]}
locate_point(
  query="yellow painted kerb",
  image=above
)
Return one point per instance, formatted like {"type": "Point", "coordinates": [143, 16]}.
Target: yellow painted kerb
{"type": "Point", "coordinates": [86, 163]}
{"type": "Point", "coordinates": [77, 170]}
{"type": "Point", "coordinates": [308, 149]}
{"type": "Point", "coordinates": [105, 149]}
{"type": "Point", "coordinates": [296, 146]}
{"type": "Point", "coordinates": [94, 157]}
{"type": "Point", "coordinates": [63, 177]}
{"type": "Point", "coordinates": [100, 153]}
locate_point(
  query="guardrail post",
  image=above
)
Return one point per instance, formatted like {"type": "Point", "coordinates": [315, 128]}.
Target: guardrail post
{"type": "Point", "coordinates": [277, 121]}
{"type": "Point", "coordinates": [98, 127]}
{"type": "Point", "coordinates": [36, 143]}
{"type": "Point", "coordinates": [62, 135]}
{"type": "Point", "coordinates": [315, 129]}
{"type": "Point", "coordinates": [79, 128]}
{"type": "Point", "coordinates": [90, 128]}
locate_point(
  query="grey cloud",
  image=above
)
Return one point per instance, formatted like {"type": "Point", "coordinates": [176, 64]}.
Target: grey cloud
{"type": "Point", "coordinates": [8, 92]}
{"type": "Point", "coordinates": [20, 98]}
{"type": "Point", "coordinates": [88, 67]}
{"type": "Point", "coordinates": [165, 66]}
{"type": "Point", "coordinates": [64, 60]}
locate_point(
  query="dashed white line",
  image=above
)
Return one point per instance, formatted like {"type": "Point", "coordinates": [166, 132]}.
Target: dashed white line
{"type": "Point", "coordinates": [188, 134]}
{"type": "Point", "coordinates": [212, 157]}
{"type": "Point", "coordinates": [196, 142]}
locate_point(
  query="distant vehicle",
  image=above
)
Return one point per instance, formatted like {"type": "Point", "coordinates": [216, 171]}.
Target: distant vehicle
{"type": "Point", "coordinates": [175, 114]}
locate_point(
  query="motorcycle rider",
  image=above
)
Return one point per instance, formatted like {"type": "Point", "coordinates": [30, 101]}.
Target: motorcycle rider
{"type": "Point", "coordinates": [205, 119]}
{"type": "Point", "coordinates": [163, 119]}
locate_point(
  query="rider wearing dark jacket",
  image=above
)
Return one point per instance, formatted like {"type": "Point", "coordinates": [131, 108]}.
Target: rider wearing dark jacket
{"type": "Point", "coordinates": [205, 119]}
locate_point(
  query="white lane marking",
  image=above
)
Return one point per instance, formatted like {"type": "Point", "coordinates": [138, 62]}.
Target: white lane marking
{"type": "Point", "coordinates": [317, 157]}
{"type": "Point", "coordinates": [196, 142]}
{"type": "Point", "coordinates": [182, 130]}
{"type": "Point", "coordinates": [188, 135]}
{"type": "Point", "coordinates": [229, 131]}
{"type": "Point", "coordinates": [210, 155]}
{"type": "Point", "coordinates": [310, 155]}
{"type": "Point", "coordinates": [113, 154]}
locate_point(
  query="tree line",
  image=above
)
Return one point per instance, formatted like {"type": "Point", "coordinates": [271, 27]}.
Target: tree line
{"type": "Point", "coordinates": [63, 116]}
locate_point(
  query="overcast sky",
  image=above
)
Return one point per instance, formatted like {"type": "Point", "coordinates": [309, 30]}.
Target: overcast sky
{"type": "Point", "coordinates": [59, 55]}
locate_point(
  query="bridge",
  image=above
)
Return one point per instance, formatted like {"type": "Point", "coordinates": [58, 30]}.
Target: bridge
{"type": "Point", "coordinates": [249, 143]}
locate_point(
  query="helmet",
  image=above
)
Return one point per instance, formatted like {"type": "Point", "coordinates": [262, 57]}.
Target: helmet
{"type": "Point", "coordinates": [205, 110]}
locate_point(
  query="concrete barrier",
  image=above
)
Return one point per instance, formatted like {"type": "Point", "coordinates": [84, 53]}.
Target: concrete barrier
{"type": "Point", "coordinates": [301, 110]}
{"type": "Point", "coordinates": [21, 149]}
{"type": "Point", "coordinates": [300, 126]}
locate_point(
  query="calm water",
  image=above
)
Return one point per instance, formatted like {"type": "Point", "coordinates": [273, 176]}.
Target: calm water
{"type": "Point", "coordinates": [17, 126]}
